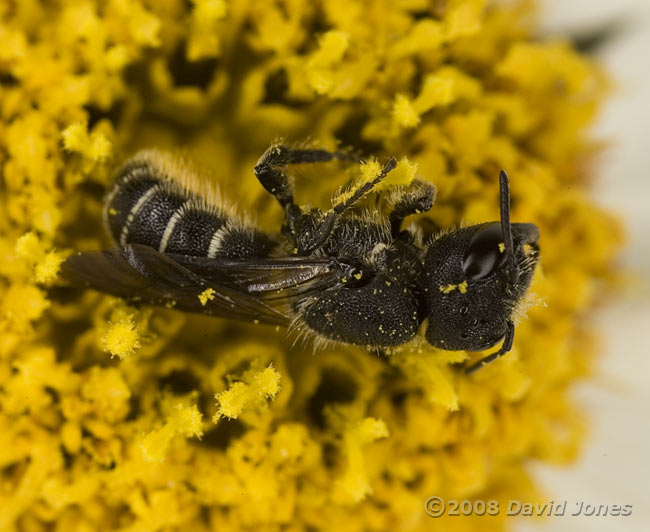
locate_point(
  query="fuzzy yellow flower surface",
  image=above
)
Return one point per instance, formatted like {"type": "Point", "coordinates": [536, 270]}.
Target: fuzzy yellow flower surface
{"type": "Point", "coordinates": [141, 419]}
{"type": "Point", "coordinates": [121, 338]}
{"type": "Point", "coordinates": [252, 393]}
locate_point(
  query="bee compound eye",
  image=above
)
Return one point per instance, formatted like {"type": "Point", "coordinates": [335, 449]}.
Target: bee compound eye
{"type": "Point", "coordinates": [485, 253]}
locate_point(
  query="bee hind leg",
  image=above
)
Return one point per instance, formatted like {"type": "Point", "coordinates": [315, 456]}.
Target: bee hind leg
{"type": "Point", "coordinates": [308, 230]}
{"type": "Point", "coordinates": [270, 168]}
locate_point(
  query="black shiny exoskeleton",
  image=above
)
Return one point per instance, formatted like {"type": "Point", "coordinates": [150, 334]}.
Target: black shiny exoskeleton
{"type": "Point", "coordinates": [344, 276]}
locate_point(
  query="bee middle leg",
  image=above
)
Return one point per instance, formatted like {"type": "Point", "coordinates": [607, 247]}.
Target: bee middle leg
{"type": "Point", "coordinates": [417, 198]}
{"type": "Point", "coordinates": [310, 231]}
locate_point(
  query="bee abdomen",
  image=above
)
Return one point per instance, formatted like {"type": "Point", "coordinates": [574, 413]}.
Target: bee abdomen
{"type": "Point", "coordinates": [195, 229]}
{"type": "Point", "coordinates": [146, 206]}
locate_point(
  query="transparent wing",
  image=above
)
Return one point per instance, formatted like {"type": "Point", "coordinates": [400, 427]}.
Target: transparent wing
{"type": "Point", "coordinates": [256, 289]}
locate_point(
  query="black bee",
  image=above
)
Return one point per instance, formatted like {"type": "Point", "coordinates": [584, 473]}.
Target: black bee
{"type": "Point", "coordinates": [338, 274]}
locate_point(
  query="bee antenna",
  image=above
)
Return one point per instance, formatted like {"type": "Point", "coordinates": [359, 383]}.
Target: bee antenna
{"type": "Point", "coordinates": [506, 228]}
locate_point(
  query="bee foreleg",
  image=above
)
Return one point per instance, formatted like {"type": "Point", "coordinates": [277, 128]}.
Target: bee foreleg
{"type": "Point", "coordinates": [417, 198]}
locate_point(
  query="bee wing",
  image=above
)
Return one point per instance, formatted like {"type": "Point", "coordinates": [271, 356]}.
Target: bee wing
{"type": "Point", "coordinates": [272, 280]}
{"type": "Point", "coordinates": [141, 274]}
{"type": "Point", "coordinates": [259, 289]}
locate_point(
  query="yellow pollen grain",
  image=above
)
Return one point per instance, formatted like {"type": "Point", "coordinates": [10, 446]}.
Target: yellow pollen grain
{"type": "Point", "coordinates": [207, 295]}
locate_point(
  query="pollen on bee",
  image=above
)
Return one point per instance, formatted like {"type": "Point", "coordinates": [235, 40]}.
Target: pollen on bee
{"type": "Point", "coordinates": [445, 289]}
{"type": "Point", "coordinates": [502, 247]}
{"type": "Point", "coordinates": [207, 295]}
{"type": "Point", "coordinates": [369, 170]}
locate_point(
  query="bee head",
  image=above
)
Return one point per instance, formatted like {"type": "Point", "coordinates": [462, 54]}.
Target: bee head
{"type": "Point", "coordinates": [475, 277]}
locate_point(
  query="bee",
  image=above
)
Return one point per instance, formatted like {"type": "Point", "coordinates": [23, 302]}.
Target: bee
{"type": "Point", "coordinates": [335, 273]}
